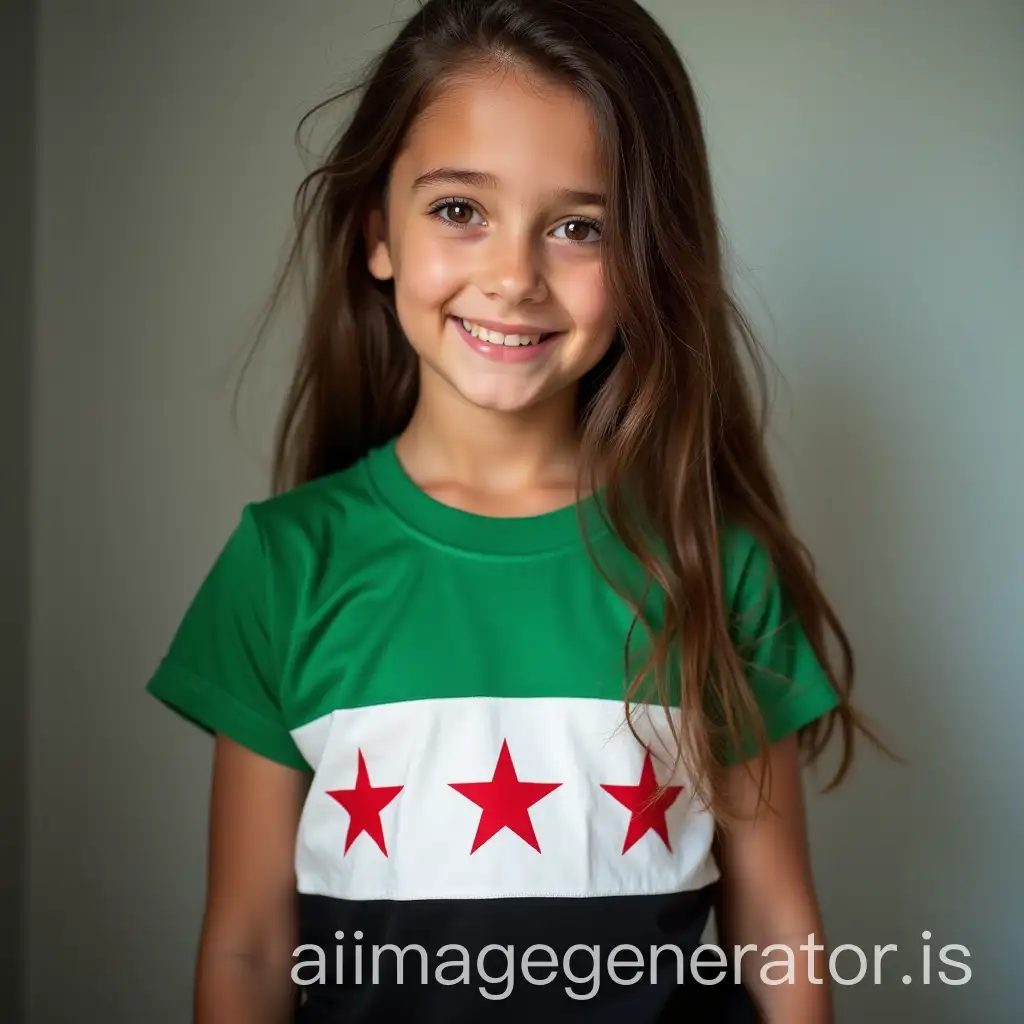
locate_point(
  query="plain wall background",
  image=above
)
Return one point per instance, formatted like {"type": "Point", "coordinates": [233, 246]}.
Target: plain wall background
{"type": "Point", "coordinates": [17, 83]}
{"type": "Point", "coordinates": [870, 163]}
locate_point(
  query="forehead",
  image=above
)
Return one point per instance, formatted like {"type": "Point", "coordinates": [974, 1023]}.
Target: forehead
{"type": "Point", "coordinates": [534, 134]}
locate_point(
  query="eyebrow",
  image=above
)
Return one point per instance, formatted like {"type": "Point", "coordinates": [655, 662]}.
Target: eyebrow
{"type": "Point", "coordinates": [483, 179]}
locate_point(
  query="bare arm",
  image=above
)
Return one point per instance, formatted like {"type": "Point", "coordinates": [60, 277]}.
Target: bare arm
{"type": "Point", "coordinates": [243, 973]}
{"type": "Point", "coordinates": [768, 893]}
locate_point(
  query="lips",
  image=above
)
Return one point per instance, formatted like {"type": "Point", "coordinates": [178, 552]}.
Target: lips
{"type": "Point", "coordinates": [505, 348]}
{"type": "Point", "coordinates": [511, 336]}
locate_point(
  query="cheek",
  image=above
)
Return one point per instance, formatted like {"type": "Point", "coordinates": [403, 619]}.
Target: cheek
{"type": "Point", "coordinates": [585, 297]}
{"type": "Point", "coordinates": [429, 270]}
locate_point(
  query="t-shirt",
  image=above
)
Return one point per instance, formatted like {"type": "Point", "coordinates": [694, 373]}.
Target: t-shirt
{"type": "Point", "coordinates": [483, 836]}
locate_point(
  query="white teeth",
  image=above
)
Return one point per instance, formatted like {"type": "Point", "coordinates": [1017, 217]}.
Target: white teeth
{"type": "Point", "coordinates": [497, 338]}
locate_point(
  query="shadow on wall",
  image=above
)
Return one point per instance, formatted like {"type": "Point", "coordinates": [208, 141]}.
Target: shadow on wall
{"type": "Point", "coordinates": [899, 850]}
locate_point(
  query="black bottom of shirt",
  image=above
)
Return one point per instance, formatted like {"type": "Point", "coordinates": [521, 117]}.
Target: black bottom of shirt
{"type": "Point", "coordinates": [389, 962]}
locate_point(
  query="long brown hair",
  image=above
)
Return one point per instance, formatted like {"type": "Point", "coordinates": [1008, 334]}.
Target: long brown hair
{"type": "Point", "coordinates": [669, 425]}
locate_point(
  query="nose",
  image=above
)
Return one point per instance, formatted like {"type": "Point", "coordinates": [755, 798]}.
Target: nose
{"type": "Point", "coordinates": [513, 269]}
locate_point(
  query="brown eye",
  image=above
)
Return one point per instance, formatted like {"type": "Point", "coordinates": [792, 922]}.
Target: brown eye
{"type": "Point", "coordinates": [580, 231]}
{"type": "Point", "coordinates": [456, 212]}
{"type": "Point", "coordinates": [459, 213]}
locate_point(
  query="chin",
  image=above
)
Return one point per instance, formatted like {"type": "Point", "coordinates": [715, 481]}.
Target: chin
{"type": "Point", "coordinates": [503, 400]}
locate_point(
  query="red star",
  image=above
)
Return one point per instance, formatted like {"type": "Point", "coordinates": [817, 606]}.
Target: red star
{"type": "Point", "coordinates": [364, 804]}
{"type": "Point", "coordinates": [646, 811]}
{"type": "Point", "coordinates": [505, 801]}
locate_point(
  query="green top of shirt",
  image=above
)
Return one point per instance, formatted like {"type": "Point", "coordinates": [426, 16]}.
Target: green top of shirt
{"type": "Point", "coordinates": [360, 589]}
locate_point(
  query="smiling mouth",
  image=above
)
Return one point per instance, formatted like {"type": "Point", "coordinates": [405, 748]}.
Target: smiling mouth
{"type": "Point", "coordinates": [500, 340]}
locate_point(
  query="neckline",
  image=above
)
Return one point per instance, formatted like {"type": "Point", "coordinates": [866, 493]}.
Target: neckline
{"type": "Point", "coordinates": [450, 527]}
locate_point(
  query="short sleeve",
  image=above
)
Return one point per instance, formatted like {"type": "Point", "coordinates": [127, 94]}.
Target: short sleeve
{"type": "Point", "coordinates": [786, 677]}
{"type": "Point", "coordinates": [219, 671]}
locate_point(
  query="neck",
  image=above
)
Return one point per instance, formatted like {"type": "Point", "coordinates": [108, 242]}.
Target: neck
{"type": "Point", "coordinates": [450, 439]}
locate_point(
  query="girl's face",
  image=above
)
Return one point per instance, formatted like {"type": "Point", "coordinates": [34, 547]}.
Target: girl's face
{"type": "Point", "coordinates": [493, 238]}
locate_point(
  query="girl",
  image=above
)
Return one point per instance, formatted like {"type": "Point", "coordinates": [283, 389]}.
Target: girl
{"type": "Point", "coordinates": [511, 676]}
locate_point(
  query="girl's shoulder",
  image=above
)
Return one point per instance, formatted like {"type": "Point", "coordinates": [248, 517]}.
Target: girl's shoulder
{"type": "Point", "coordinates": [334, 497]}
{"type": "Point", "coordinates": [326, 517]}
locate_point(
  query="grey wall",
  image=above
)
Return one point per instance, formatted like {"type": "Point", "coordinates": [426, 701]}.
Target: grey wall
{"type": "Point", "coordinates": [870, 160]}
{"type": "Point", "coordinates": [17, 166]}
